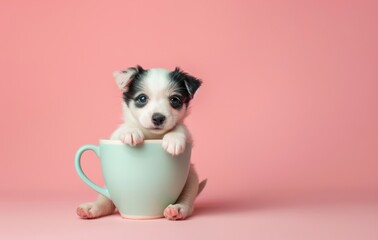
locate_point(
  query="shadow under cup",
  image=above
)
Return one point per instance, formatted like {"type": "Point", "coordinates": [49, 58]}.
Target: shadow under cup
{"type": "Point", "coordinates": [142, 180]}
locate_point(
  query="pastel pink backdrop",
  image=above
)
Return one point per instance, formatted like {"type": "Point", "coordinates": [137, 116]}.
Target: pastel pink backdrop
{"type": "Point", "coordinates": [288, 106]}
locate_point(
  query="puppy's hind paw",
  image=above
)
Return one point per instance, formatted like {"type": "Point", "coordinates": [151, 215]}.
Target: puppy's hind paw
{"type": "Point", "coordinates": [177, 212]}
{"type": "Point", "coordinates": [93, 210]}
{"type": "Point", "coordinates": [88, 211]}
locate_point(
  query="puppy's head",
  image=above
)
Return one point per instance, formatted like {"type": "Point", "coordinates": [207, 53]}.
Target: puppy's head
{"type": "Point", "coordinates": [156, 98]}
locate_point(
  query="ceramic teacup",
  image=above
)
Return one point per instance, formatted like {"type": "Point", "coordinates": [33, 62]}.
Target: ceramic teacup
{"type": "Point", "coordinates": [142, 180]}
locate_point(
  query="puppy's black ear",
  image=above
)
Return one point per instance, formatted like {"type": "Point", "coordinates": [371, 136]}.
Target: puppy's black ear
{"type": "Point", "coordinates": [124, 78]}
{"type": "Point", "coordinates": [191, 83]}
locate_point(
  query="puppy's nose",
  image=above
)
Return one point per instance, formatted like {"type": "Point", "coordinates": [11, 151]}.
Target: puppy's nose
{"type": "Point", "coordinates": [158, 119]}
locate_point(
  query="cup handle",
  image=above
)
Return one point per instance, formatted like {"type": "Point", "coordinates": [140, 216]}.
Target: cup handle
{"type": "Point", "coordinates": [82, 175]}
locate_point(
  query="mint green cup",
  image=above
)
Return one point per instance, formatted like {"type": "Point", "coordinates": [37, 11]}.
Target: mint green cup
{"type": "Point", "coordinates": [142, 180]}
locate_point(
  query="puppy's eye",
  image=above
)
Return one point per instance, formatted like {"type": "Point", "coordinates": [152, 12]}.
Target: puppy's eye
{"type": "Point", "coordinates": [175, 102]}
{"type": "Point", "coordinates": [141, 100]}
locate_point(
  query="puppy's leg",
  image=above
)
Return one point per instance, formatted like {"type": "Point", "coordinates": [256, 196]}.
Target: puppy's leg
{"type": "Point", "coordinates": [174, 142]}
{"type": "Point", "coordinates": [183, 208]}
{"type": "Point", "coordinates": [128, 135]}
{"type": "Point", "coordinates": [103, 206]}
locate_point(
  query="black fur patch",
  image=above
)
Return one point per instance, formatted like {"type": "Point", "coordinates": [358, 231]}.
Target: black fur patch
{"type": "Point", "coordinates": [184, 84]}
{"type": "Point", "coordinates": [135, 85]}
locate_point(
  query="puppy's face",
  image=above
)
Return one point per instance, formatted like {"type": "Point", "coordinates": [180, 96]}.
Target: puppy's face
{"type": "Point", "coordinates": [157, 98]}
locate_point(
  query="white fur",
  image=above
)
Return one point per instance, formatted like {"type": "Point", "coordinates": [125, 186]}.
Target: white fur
{"type": "Point", "coordinates": [138, 126]}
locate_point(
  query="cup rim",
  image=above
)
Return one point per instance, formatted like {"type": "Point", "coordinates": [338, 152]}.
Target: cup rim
{"type": "Point", "coordinates": [119, 142]}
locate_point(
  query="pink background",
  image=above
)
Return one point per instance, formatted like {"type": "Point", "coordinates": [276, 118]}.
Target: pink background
{"type": "Point", "coordinates": [288, 109]}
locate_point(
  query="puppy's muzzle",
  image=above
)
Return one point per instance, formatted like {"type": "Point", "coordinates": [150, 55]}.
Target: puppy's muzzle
{"type": "Point", "coordinates": [158, 119]}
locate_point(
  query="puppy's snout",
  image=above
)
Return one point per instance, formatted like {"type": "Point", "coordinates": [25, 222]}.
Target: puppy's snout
{"type": "Point", "coordinates": [158, 119]}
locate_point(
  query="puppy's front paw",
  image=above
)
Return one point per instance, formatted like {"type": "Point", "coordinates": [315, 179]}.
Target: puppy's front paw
{"type": "Point", "coordinates": [174, 143]}
{"type": "Point", "coordinates": [132, 136]}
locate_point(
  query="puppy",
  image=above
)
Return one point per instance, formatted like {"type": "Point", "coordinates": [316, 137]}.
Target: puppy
{"type": "Point", "coordinates": [154, 107]}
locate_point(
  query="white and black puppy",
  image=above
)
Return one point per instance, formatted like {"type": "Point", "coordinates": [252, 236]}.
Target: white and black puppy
{"type": "Point", "coordinates": [154, 107]}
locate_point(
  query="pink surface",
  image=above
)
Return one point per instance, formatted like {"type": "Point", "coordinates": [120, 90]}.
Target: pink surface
{"type": "Point", "coordinates": [288, 109]}
{"type": "Point", "coordinates": [213, 219]}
